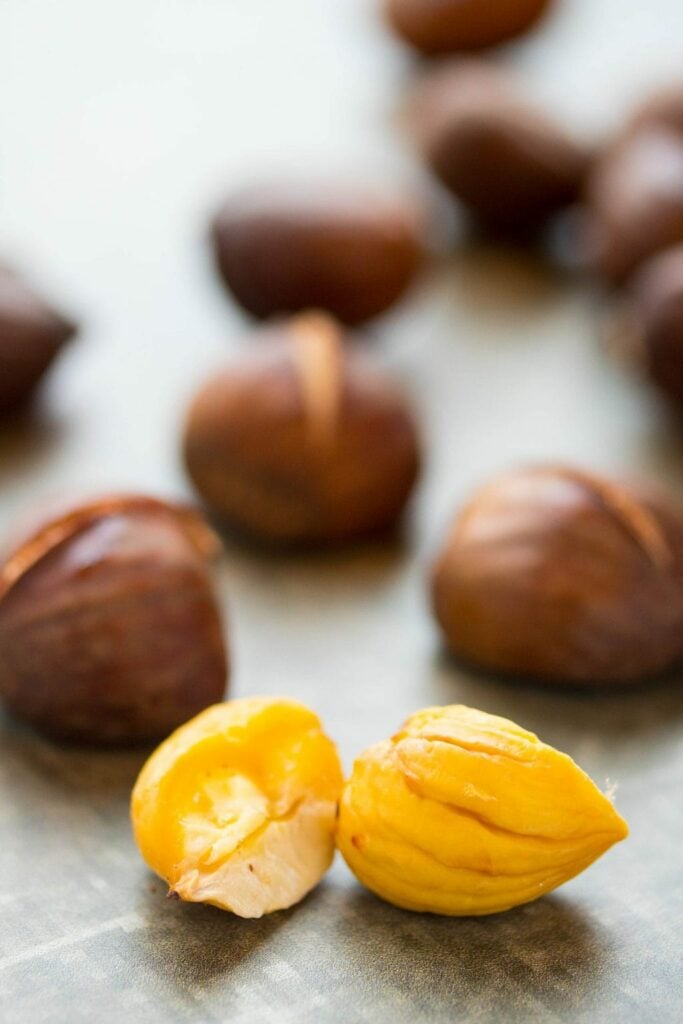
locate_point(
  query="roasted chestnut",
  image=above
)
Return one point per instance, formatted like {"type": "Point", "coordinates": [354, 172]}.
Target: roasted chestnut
{"type": "Point", "coordinates": [508, 163]}
{"type": "Point", "coordinates": [303, 441]}
{"type": "Point", "coordinates": [347, 249]}
{"type": "Point", "coordinates": [634, 201]}
{"type": "Point", "coordinates": [446, 26]}
{"type": "Point", "coordinates": [31, 335]}
{"type": "Point", "coordinates": [109, 628]}
{"type": "Point", "coordinates": [564, 576]}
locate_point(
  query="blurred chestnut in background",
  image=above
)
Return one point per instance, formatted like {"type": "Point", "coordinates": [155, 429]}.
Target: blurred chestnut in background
{"type": "Point", "coordinates": [663, 109]}
{"type": "Point", "coordinates": [559, 575]}
{"type": "Point", "coordinates": [634, 201]}
{"type": "Point", "coordinates": [109, 628]}
{"type": "Point", "coordinates": [348, 249]}
{"type": "Point", "coordinates": [648, 326]}
{"type": "Point", "coordinates": [446, 26]}
{"type": "Point", "coordinates": [302, 441]}
{"type": "Point", "coordinates": [507, 163]}
{"type": "Point", "coordinates": [31, 335]}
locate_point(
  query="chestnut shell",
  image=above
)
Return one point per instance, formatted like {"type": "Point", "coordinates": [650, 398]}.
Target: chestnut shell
{"type": "Point", "coordinates": [302, 441]}
{"type": "Point", "coordinates": [109, 628]}
{"type": "Point", "coordinates": [649, 324]}
{"type": "Point", "coordinates": [344, 248]}
{"type": "Point", "coordinates": [662, 109]}
{"type": "Point", "coordinates": [509, 164]}
{"type": "Point", "coordinates": [447, 26]}
{"type": "Point", "coordinates": [634, 201]}
{"type": "Point", "coordinates": [31, 335]}
{"type": "Point", "coordinates": [555, 574]}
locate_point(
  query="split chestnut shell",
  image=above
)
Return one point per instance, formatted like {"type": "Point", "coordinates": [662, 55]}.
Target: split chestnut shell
{"type": "Point", "coordinates": [109, 626]}
{"type": "Point", "coordinates": [561, 575]}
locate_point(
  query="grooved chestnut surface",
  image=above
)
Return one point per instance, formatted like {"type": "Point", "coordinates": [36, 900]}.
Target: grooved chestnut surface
{"type": "Point", "coordinates": [560, 575]}
{"type": "Point", "coordinates": [109, 627]}
{"type": "Point", "coordinates": [122, 126]}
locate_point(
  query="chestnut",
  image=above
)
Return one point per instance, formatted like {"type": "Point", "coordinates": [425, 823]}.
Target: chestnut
{"type": "Point", "coordinates": [563, 576]}
{"type": "Point", "coordinates": [345, 248]}
{"type": "Point", "coordinates": [303, 441]}
{"type": "Point", "coordinates": [663, 109]}
{"type": "Point", "coordinates": [31, 335]}
{"type": "Point", "coordinates": [446, 26]}
{"type": "Point", "coordinates": [109, 627]}
{"type": "Point", "coordinates": [634, 201]}
{"type": "Point", "coordinates": [507, 163]}
{"type": "Point", "coordinates": [649, 322]}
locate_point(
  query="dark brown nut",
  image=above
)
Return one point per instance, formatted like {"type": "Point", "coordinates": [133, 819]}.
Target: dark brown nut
{"type": "Point", "coordinates": [634, 201]}
{"type": "Point", "coordinates": [447, 26]}
{"type": "Point", "coordinates": [31, 335]}
{"type": "Point", "coordinates": [349, 250]}
{"type": "Point", "coordinates": [302, 442]}
{"type": "Point", "coordinates": [109, 628]}
{"type": "Point", "coordinates": [509, 165]}
{"type": "Point", "coordinates": [559, 575]}
{"type": "Point", "coordinates": [648, 326]}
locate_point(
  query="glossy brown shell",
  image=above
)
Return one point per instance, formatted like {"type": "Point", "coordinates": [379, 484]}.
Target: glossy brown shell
{"type": "Point", "coordinates": [506, 162]}
{"type": "Point", "coordinates": [559, 575]}
{"type": "Point", "coordinates": [31, 335]}
{"type": "Point", "coordinates": [109, 627]}
{"type": "Point", "coordinates": [634, 201]}
{"type": "Point", "coordinates": [649, 323]}
{"type": "Point", "coordinates": [302, 441]}
{"type": "Point", "coordinates": [343, 248]}
{"type": "Point", "coordinates": [448, 26]}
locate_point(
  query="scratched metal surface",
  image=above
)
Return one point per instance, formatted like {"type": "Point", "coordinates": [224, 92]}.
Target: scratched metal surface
{"type": "Point", "coordinates": [119, 126]}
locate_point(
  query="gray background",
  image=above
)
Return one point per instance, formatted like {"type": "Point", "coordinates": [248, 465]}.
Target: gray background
{"type": "Point", "coordinates": [120, 124]}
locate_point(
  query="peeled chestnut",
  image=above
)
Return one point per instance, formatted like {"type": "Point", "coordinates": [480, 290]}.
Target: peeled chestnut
{"type": "Point", "coordinates": [649, 321]}
{"type": "Point", "coordinates": [31, 335]}
{"type": "Point", "coordinates": [302, 441]}
{"type": "Point", "coordinates": [634, 201]}
{"type": "Point", "coordinates": [559, 575]}
{"type": "Point", "coordinates": [509, 164]}
{"type": "Point", "coordinates": [109, 628]}
{"type": "Point", "coordinates": [445, 26]}
{"type": "Point", "coordinates": [347, 249]}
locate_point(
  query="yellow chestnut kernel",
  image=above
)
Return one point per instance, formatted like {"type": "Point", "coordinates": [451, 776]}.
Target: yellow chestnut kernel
{"type": "Point", "coordinates": [237, 807]}
{"type": "Point", "coordinates": [465, 813]}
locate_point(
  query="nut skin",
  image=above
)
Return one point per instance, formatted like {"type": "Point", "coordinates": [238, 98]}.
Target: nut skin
{"type": "Point", "coordinates": [237, 807]}
{"type": "Point", "coordinates": [463, 813]}
{"type": "Point", "coordinates": [648, 327]}
{"type": "Point", "coordinates": [449, 26]}
{"type": "Point", "coordinates": [109, 628]}
{"type": "Point", "coordinates": [303, 441]}
{"type": "Point", "coordinates": [558, 575]}
{"type": "Point", "coordinates": [509, 165]}
{"type": "Point", "coordinates": [31, 335]}
{"type": "Point", "coordinates": [348, 249]}
{"type": "Point", "coordinates": [634, 201]}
